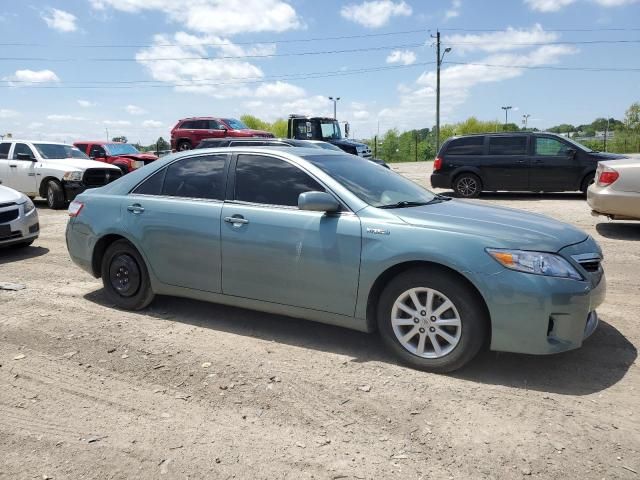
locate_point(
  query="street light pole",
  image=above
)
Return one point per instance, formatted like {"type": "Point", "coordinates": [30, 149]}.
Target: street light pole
{"type": "Point", "coordinates": [335, 103]}
{"type": "Point", "coordinates": [506, 114]}
{"type": "Point", "coordinates": [525, 120]}
{"type": "Point", "coordinates": [439, 60]}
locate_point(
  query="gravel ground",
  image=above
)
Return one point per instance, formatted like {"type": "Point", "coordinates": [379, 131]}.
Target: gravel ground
{"type": "Point", "coordinates": [187, 389]}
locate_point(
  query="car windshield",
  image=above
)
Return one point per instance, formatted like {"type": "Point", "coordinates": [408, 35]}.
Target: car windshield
{"type": "Point", "coordinates": [371, 183]}
{"type": "Point", "coordinates": [579, 145]}
{"type": "Point", "coordinates": [330, 129]}
{"type": "Point", "coordinates": [328, 146]}
{"type": "Point", "coordinates": [235, 124]}
{"type": "Point", "coordinates": [120, 149]}
{"type": "Point", "coordinates": [53, 151]}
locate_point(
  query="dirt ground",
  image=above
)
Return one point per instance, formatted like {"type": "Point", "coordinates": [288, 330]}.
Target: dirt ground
{"type": "Point", "coordinates": [192, 390]}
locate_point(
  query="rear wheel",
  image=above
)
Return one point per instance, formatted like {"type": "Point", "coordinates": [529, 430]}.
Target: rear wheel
{"type": "Point", "coordinates": [432, 320]}
{"type": "Point", "coordinates": [184, 145]}
{"type": "Point", "coordinates": [588, 180]}
{"type": "Point", "coordinates": [55, 195]}
{"type": "Point", "coordinates": [125, 277]}
{"type": "Point", "coordinates": [467, 185]}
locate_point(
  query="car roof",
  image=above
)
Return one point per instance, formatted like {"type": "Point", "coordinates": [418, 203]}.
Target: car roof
{"type": "Point", "coordinates": [298, 151]}
{"type": "Point", "coordinates": [97, 142]}
{"type": "Point", "coordinates": [502, 134]}
{"type": "Point", "coordinates": [34, 142]}
{"type": "Point", "coordinates": [202, 118]}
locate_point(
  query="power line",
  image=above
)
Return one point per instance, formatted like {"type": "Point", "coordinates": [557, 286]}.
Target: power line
{"type": "Point", "coordinates": [545, 30]}
{"type": "Point", "coordinates": [551, 67]}
{"type": "Point", "coordinates": [538, 44]}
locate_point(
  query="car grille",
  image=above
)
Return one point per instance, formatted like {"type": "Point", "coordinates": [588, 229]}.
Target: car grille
{"type": "Point", "coordinates": [97, 177]}
{"type": "Point", "coordinates": [589, 261]}
{"type": "Point", "coordinates": [11, 236]}
{"type": "Point", "coordinates": [10, 204]}
{"type": "Point", "coordinates": [9, 215]}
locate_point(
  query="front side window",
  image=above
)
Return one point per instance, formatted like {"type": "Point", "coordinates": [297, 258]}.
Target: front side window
{"type": "Point", "coordinates": [4, 150]}
{"type": "Point", "coordinates": [235, 124]}
{"type": "Point", "coordinates": [546, 146]}
{"type": "Point", "coordinates": [508, 145]}
{"type": "Point", "coordinates": [196, 177]}
{"type": "Point", "coordinates": [22, 148]}
{"type": "Point", "coordinates": [215, 125]}
{"type": "Point", "coordinates": [466, 146]}
{"type": "Point", "coordinates": [97, 151]}
{"type": "Point", "coordinates": [271, 181]}
{"type": "Point", "coordinates": [330, 129]}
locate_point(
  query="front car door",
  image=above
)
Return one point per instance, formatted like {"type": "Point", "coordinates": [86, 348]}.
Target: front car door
{"type": "Point", "coordinates": [174, 216]}
{"type": "Point", "coordinates": [506, 165]}
{"type": "Point", "coordinates": [554, 166]}
{"type": "Point", "coordinates": [21, 174]}
{"type": "Point", "coordinates": [274, 252]}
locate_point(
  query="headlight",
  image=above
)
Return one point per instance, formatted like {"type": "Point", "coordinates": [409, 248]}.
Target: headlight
{"type": "Point", "coordinates": [538, 263]}
{"type": "Point", "coordinates": [138, 164]}
{"type": "Point", "coordinates": [27, 204]}
{"type": "Point", "coordinates": [72, 176]}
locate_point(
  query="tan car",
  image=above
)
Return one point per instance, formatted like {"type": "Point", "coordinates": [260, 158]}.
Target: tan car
{"type": "Point", "coordinates": [616, 190]}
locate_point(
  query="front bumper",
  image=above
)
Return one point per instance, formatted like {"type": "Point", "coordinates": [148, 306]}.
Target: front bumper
{"type": "Point", "coordinates": [72, 190]}
{"type": "Point", "coordinates": [535, 314]}
{"type": "Point", "coordinates": [440, 180]}
{"type": "Point", "coordinates": [23, 229]}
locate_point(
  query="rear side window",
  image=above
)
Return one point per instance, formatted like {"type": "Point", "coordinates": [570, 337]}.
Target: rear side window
{"type": "Point", "coordinates": [4, 150]}
{"type": "Point", "coordinates": [152, 185]}
{"type": "Point", "coordinates": [508, 145]}
{"type": "Point", "coordinates": [82, 147]}
{"type": "Point", "coordinates": [200, 125]}
{"type": "Point", "coordinates": [196, 177]}
{"type": "Point", "coordinates": [271, 181]}
{"type": "Point", "coordinates": [466, 146]}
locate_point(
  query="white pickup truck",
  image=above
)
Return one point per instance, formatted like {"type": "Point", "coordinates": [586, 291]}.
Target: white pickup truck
{"type": "Point", "coordinates": [54, 171]}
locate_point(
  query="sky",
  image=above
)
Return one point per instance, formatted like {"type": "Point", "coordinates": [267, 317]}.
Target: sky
{"type": "Point", "coordinates": [82, 69]}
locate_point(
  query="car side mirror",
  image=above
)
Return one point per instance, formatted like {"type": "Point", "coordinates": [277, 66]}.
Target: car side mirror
{"type": "Point", "coordinates": [571, 152]}
{"type": "Point", "coordinates": [318, 202]}
{"type": "Point", "coordinates": [346, 129]}
{"type": "Point", "coordinates": [26, 156]}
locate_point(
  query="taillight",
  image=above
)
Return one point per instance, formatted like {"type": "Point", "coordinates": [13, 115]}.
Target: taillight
{"type": "Point", "coordinates": [437, 164]}
{"type": "Point", "coordinates": [606, 176]}
{"type": "Point", "coordinates": [75, 208]}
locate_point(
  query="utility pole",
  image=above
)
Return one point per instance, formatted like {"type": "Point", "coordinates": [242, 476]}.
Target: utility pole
{"type": "Point", "coordinates": [107, 130]}
{"type": "Point", "coordinates": [606, 130]}
{"type": "Point", "coordinates": [525, 120]}
{"type": "Point", "coordinates": [439, 60]}
{"type": "Point", "coordinates": [506, 113]}
{"type": "Point", "coordinates": [335, 103]}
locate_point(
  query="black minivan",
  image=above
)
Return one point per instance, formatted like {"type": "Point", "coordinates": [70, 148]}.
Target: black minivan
{"type": "Point", "coordinates": [522, 161]}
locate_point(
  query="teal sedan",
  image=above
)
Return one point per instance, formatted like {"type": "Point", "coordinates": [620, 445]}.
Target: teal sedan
{"type": "Point", "coordinates": [333, 238]}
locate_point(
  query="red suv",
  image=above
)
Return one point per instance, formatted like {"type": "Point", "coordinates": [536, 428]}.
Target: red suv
{"type": "Point", "coordinates": [122, 155]}
{"type": "Point", "coordinates": [189, 132]}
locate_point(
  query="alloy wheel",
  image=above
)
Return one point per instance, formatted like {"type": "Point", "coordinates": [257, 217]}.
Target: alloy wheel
{"type": "Point", "coordinates": [426, 322]}
{"type": "Point", "coordinates": [467, 186]}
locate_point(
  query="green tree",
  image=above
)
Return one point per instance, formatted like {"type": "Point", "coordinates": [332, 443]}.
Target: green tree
{"type": "Point", "coordinates": [632, 116]}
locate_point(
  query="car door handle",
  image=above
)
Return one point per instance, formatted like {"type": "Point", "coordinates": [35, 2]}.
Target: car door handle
{"type": "Point", "coordinates": [236, 221]}
{"type": "Point", "coordinates": [13, 166]}
{"type": "Point", "coordinates": [136, 208]}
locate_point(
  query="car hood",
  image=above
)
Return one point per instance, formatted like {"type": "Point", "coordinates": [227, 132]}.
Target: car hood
{"type": "Point", "coordinates": [607, 156]}
{"type": "Point", "coordinates": [347, 143]}
{"type": "Point", "coordinates": [506, 227]}
{"type": "Point", "coordinates": [145, 157]}
{"type": "Point", "coordinates": [76, 163]}
{"type": "Point", "coordinates": [9, 195]}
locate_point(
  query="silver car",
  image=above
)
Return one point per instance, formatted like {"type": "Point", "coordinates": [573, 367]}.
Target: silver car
{"type": "Point", "coordinates": [616, 190]}
{"type": "Point", "coordinates": [18, 219]}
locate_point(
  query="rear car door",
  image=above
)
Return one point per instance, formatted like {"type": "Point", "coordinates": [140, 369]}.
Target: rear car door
{"type": "Point", "coordinates": [174, 216]}
{"type": "Point", "coordinates": [21, 174]}
{"type": "Point", "coordinates": [274, 252]}
{"type": "Point", "coordinates": [506, 165]}
{"type": "Point", "coordinates": [554, 166]}
{"type": "Point", "coordinates": [4, 163]}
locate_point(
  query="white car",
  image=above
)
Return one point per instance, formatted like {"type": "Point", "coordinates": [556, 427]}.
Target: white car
{"type": "Point", "coordinates": [54, 171]}
{"type": "Point", "coordinates": [19, 225]}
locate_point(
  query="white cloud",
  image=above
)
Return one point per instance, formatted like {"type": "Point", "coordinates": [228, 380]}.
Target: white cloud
{"type": "Point", "coordinates": [7, 113]}
{"type": "Point", "coordinates": [86, 103]}
{"type": "Point", "coordinates": [29, 77]}
{"type": "Point", "coordinates": [375, 13]}
{"type": "Point", "coordinates": [152, 124]}
{"type": "Point", "coordinates": [361, 115]}
{"type": "Point", "coordinates": [454, 11]}
{"type": "Point", "coordinates": [116, 123]}
{"type": "Point", "coordinates": [60, 20]}
{"type": "Point", "coordinates": [279, 90]}
{"type": "Point", "coordinates": [509, 39]}
{"type": "Point", "coordinates": [405, 57]}
{"type": "Point", "coordinates": [34, 125]}
{"type": "Point", "coordinates": [615, 3]}
{"type": "Point", "coordinates": [548, 5]}
{"type": "Point", "coordinates": [135, 110]}
{"type": "Point", "coordinates": [224, 17]}
{"type": "Point", "coordinates": [64, 118]}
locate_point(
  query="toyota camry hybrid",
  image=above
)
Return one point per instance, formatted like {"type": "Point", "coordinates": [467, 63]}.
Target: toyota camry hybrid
{"type": "Point", "coordinates": [314, 235]}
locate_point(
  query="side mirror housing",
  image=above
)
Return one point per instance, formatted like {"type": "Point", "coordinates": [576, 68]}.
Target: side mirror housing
{"type": "Point", "coordinates": [318, 202]}
{"type": "Point", "coordinates": [571, 152]}
{"type": "Point", "coordinates": [346, 129]}
{"type": "Point", "coordinates": [26, 156]}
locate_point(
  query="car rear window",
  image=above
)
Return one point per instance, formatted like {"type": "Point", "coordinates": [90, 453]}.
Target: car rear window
{"type": "Point", "coordinates": [508, 145]}
{"type": "Point", "coordinates": [466, 146]}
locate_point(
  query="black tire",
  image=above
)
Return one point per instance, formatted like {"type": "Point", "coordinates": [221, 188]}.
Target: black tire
{"type": "Point", "coordinates": [123, 169]}
{"type": "Point", "coordinates": [184, 145]}
{"type": "Point", "coordinates": [470, 308]}
{"type": "Point", "coordinates": [55, 195]}
{"type": "Point", "coordinates": [467, 185]}
{"type": "Point", "coordinates": [588, 180]}
{"type": "Point", "coordinates": [125, 277]}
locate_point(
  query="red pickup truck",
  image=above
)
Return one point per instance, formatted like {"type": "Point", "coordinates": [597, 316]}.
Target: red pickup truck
{"type": "Point", "coordinates": [189, 132]}
{"type": "Point", "coordinates": [122, 155]}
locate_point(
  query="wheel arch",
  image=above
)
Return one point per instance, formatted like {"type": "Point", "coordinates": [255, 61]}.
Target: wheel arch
{"type": "Point", "coordinates": [585, 175]}
{"type": "Point", "coordinates": [466, 169]}
{"type": "Point", "coordinates": [42, 190]}
{"type": "Point", "coordinates": [101, 247]}
{"type": "Point", "coordinates": [385, 277]}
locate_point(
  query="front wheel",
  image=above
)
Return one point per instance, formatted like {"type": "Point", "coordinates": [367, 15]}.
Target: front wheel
{"type": "Point", "coordinates": [431, 320]}
{"type": "Point", "coordinates": [125, 277]}
{"type": "Point", "coordinates": [467, 185]}
{"type": "Point", "coordinates": [55, 195]}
